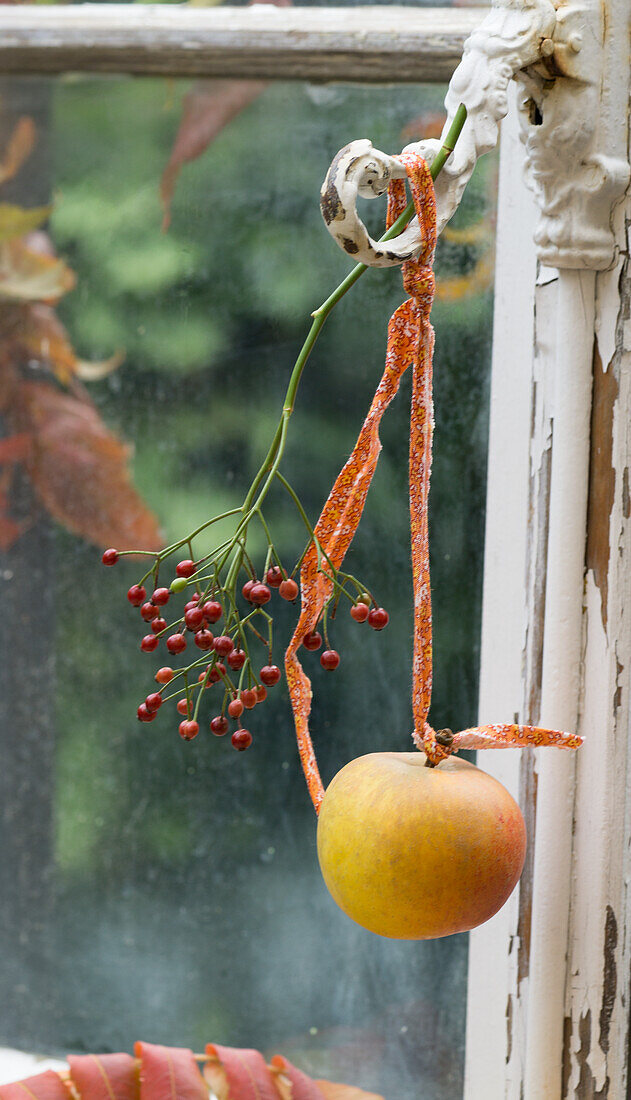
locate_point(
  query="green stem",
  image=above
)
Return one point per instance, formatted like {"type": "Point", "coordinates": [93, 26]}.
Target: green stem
{"type": "Point", "coordinates": [320, 315]}
{"type": "Point", "coordinates": [269, 468]}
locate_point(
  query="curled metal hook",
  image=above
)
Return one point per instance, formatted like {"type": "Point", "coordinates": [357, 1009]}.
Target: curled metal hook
{"type": "Point", "coordinates": [361, 170]}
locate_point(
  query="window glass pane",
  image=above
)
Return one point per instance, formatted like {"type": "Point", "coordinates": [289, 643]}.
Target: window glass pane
{"type": "Point", "coordinates": [170, 891]}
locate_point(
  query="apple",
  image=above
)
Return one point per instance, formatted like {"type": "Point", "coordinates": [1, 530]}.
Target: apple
{"type": "Point", "coordinates": [414, 852]}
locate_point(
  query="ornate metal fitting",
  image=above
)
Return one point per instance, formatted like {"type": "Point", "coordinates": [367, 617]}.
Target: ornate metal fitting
{"type": "Point", "coordinates": [576, 146]}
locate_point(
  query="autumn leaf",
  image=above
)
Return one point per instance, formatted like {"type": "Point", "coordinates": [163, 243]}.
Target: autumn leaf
{"type": "Point", "coordinates": [15, 221]}
{"type": "Point", "coordinates": [429, 124]}
{"type": "Point", "coordinates": [93, 370]}
{"type": "Point", "coordinates": [34, 333]}
{"type": "Point", "coordinates": [104, 1076]}
{"type": "Point", "coordinates": [79, 469]}
{"type": "Point", "coordinates": [169, 1073]}
{"type": "Point", "coordinates": [208, 108]}
{"type": "Point", "coordinates": [292, 1083]}
{"type": "Point", "coordinates": [19, 148]}
{"type": "Point", "coordinates": [38, 335]}
{"type": "Point", "coordinates": [43, 1086]}
{"type": "Point", "coordinates": [28, 275]}
{"type": "Point", "coordinates": [238, 1074]}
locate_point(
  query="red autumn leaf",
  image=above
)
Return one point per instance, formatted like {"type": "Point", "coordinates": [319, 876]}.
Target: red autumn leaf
{"type": "Point", "coordinates": [429, 124]}
{"type": "Point", "coordinates": [168, 1073]}
{"type": "Point", "coordinates": [238, 1074]}
{"type": "Point", "coordinates": [28, 274]}
{"type": "Point", "coordinates": [208, 108]}
{"type": "Point", "coordinates": [43, 1086]}
{"type": "Point", "coordinates": [292, 1083]}
{"type": "Point", "coordinates": [19, 148]}
{"type": "Point", "coordinates": [171, 1073]}
{"type": "Point", "coordinates": [13, 448]}
{"type": "Point", "coordinates": [79, 468]}
{"type": "Point", "coordinates": [42, 337]}
{"type": "Point", "coordinates": [104, 1076]}
{"type": "Point", "coordinates": [10, 531]}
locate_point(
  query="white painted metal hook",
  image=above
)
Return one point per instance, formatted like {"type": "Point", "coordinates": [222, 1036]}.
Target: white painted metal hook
{"type": "Point", "coordinates": [559, 66]}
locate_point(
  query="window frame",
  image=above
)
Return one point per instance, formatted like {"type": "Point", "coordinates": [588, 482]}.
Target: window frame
{"type": "Point", "coordinates": [368, 45]}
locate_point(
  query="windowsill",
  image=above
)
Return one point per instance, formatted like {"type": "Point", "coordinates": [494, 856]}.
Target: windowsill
{"type": "Point", "coordinates": [16, 1064]}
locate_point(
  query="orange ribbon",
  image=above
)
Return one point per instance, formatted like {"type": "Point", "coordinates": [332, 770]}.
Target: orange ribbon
{"type": "Point", "coordinates": [410, 343]}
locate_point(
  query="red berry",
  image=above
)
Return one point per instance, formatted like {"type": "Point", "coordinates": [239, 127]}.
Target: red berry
{"type": "Point", "coordinates": [164, 675]}
{"type": "Point", "coordinates": [203, 676]}
{"type": "Point", "coordinates": [235, 708]}
{"type": "Point", "coordinates": [110, 557]}
{"type": "Point", "coordinates": [241, 740]}
{"type": "Point", "coordinates": [153, 701]}
{"type": "Point", "coordinates": [219, 725]}
{"type": "Point", "coordinates": [158, 625]}
{"type": "Point", "coordinates": [149, 612]}
{"type": "Point", "coordinates": [270, 675]}
{"type": "Point", "coordinates": [359, 612]}
{"type": "Point", "coordinates": [246, 591]}
{"type": "Point", "coordinates": [216, 672]}
{"type": "Point", "coordinates": [330, 659]}
{"type": "Point", "coordinates": [149, 643]}
{"type": "Point", "coordinates": [274, 577]}
{"type": "Point", "coordinates": [223, 645]}
{"type": "Point", "coordinates": [204, 639]}
{"type": "Point", "coordinates": [260, 594]}
{"type": "Point", "coordinates": [312, 640]}
{"type": "Point", "coordinates": [212, 611]}
{"type": "Point", "coordinates": [144, 714]}
{"type": "Point", "coordinates": [248, 698]}
{"type": "Point", "coordinates": [183, 706]}
{"type": "Point", "coordinates": [261, 693]}
{"type": "Point", "coordinates": [189, 730]}
{"type": "Point", "coordinates": [194, 618]}
{"type": "Point", "coordinates": [378, 618]}
{"type": "Point", "coordinates": [288, 589]}
{"type": "Point", "coordinates": [191, 604]}
{"type": "Point", "coordinates": [185, 568]}
{"type": "Point", "coordinates": [237, 659]}
{"type": "Point", "coordinates": [160, 596]}
{"type": "Point", "coordinates": [137, 594]}
{"type": "Point", "coordinates": [176, 643]}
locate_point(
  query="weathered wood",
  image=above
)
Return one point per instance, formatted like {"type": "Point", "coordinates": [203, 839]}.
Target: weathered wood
{"type": "Point", "coordinates": [494, 1045]}
{"type": "Point", "coordinates": [368, 44]}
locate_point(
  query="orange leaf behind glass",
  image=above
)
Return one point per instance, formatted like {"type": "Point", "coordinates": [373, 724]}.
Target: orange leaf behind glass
{"type": "Point", "coordinates": [238, 1074]}
{"type": "Point", "coordinates": [43, 1086]}
{"type": "Point", "coordinates": [18, 148]}
{"type": "Point", "coordinates": [208, 107]}
{"type": "Point", "coordinates": [168, 1073]}
{"type": "Point", "coordinates": [79, 469]}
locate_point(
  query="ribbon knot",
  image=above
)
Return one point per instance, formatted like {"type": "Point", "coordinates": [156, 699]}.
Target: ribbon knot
{"type": "Point", "coordinates": [410, 342]}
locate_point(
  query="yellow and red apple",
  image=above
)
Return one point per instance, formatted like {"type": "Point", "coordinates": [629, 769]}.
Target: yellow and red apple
{"type": "Point", "coordinates": [414, 852]}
